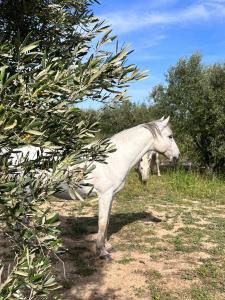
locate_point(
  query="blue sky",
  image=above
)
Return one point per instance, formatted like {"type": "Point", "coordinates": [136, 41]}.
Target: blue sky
{"type": "Point", "coordinates": [162, 31]}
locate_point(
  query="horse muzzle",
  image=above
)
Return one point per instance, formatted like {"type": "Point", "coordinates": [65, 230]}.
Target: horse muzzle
{"type": "Point", "coordinates": [175, 159]}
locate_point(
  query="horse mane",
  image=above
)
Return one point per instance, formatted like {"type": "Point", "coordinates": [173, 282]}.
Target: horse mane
{"type": "Point", "coordinates": [153, 128]}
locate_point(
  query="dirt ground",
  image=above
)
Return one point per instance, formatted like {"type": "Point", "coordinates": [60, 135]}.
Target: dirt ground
{"type": "Point", "coordinates": [145, 263]}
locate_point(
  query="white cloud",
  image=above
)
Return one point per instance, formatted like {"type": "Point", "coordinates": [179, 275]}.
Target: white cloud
{"type": "Point", "coordinates": [152, 57]}
{"type": "Point", "coordinates": [128, 21]}
{"type": "Point", "coordinates": [214, 1]}
{"type": "Point", "coordinates": [149, 42]}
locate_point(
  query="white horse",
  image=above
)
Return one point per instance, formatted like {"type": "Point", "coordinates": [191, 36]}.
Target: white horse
{"type": "Point", "coordinates": [108, 178]}
{"type": "Point", "coordinates": [148, 160]}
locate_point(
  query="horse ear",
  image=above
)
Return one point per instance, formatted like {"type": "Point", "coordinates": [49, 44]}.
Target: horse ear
{"type": "Point", "coordinates": [162, 118]}
{"type": "Point", "coordinates": [165, 122]}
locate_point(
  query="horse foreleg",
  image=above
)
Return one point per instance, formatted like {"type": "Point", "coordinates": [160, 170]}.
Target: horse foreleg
{"type": "Point", "coordinates": [105, 203]}
{"type": "Point", "coordinates": [157, 164]}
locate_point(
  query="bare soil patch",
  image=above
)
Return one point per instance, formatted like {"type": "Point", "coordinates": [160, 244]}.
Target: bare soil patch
{"type": "Point", "coordinates": [159, 272]}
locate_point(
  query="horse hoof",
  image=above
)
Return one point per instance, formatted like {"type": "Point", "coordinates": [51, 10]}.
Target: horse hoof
{"type": "Point", "coordinates": [106, 257]}
{"type": "Point", "coordinates": [109, 247]}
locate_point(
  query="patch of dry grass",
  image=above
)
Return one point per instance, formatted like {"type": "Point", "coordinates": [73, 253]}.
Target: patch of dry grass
{"type": "Point", "coordinates": [181, 257]}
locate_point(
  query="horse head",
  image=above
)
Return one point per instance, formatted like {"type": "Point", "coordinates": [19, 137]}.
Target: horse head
{"type": "Point", "coordinates": [164, 142]}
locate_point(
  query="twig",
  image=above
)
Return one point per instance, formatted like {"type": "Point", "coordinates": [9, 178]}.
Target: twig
{"type": "Point", "coordinates": [63, 264]}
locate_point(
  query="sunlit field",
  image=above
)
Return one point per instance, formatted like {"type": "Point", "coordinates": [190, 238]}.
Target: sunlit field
{"type": "Point", "coordinates": [167, 240]}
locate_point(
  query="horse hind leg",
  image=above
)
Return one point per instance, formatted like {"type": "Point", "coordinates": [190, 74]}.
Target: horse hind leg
{"type": "Point", "coordinates": [105, 203]}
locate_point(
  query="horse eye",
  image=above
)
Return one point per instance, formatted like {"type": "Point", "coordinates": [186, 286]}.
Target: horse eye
{"type": "Point", "coordinates": [170, 136]}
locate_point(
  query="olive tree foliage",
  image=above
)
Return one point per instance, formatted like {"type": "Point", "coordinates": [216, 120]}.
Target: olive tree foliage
{"type": "Point", "coordinates": [51, 58]}
{"type": "Point", "coordinates": [195, 99]}
{"type": "Point", "coordinates": [69, 30]}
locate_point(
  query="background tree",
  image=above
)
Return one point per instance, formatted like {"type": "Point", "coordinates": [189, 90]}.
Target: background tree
{"type": "Point", "coordinates": [123, 116]}
{"type": "Point", "coordinates": [40, 84]}
{"type": "Point", "coordinates": [194, 97]}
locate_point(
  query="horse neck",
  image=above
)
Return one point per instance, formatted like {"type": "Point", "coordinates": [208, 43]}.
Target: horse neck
{"type": "Point", "coordinates": [134, 143]}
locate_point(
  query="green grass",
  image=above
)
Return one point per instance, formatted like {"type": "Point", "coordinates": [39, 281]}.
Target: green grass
{"type": "Point", "coordinates": [125, 260]}
{"type": "Point", "coordinates": [178, 187]}
{"type": "Point", "coordinates": [201, 294]}
{"type": "Point", "coordinates": [158, 294]}
{"type": "Point", "coordinates": [152, 274]}
{"type": "Point", "coordinates": [194, 185]}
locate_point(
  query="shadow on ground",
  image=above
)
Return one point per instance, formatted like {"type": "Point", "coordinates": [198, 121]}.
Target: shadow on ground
{"type": "Point", "coordinates": [83, 270]}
